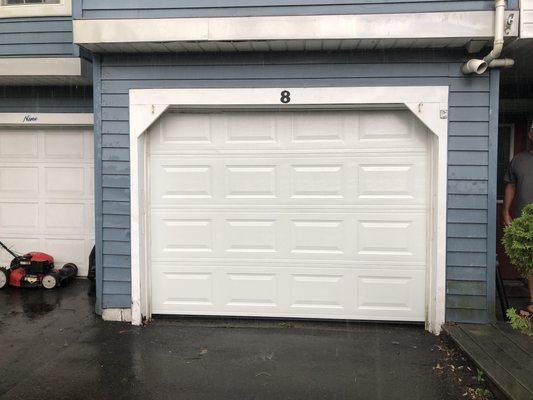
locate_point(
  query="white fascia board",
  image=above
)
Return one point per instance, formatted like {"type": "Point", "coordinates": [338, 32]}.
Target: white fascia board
{"type": "Point", "coordinates": [63, 9]}
{"type": "Point", "coordinates": [300, 96]}
{"type": "Point", "coordinates": [46, 119]}
{"type": "Point", "coordinates": [43, 66]}
{"type": "Point", "coordinates": [471, 24]}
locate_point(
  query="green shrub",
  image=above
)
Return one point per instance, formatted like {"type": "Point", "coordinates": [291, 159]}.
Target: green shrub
{"type": "Point", "coordinates": [520, 322]}
{"type": "Point", "coordinates": [518, 241]}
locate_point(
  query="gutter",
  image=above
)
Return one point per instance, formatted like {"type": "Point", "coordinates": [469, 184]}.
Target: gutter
{"type": "Point", "coordinates": [492, 59]}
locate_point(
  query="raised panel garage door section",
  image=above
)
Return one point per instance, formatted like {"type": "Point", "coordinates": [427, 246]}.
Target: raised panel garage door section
{"type": "Point", "coordinates": [46, 193]}
{"type": "Point", "coordinates": [306, 214]}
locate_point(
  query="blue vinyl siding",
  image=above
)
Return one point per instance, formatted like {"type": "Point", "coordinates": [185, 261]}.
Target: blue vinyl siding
{"type": "Point", "coordinates": [44, 99]}
{"type": "Point", "coordinates": [470, 117]}
{"type": "Point", "coordinates": [94, 9]}
{"type": "Point", "coordinates": [36, 37]}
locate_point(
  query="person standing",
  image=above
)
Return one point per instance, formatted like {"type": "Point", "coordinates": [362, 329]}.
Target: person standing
{"type": "Point", "coordinates": [519, 188]}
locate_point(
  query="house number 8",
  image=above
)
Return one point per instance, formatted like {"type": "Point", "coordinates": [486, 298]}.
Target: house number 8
{"type": "Point", "coordinates": [285, 97]}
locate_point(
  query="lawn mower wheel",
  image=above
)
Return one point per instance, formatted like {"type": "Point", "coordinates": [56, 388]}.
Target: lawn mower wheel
{"type": "Point", "coordinates": [4, 277]}
{"type": "Point", "coordinates": [50, 281]}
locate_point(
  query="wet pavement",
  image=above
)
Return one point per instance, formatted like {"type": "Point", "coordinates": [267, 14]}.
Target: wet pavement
{"type": "Point", "coordinates": [52, 346]}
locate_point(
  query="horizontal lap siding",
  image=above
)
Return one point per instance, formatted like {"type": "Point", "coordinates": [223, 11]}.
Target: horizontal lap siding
{"type": "Point", "coordinates": [225, 8]}
{"type": "Point", "coordinates": [468, 143]}
{"type": "Point", "coordinates": [43, 99]}
{"type": "Point", "coordinates": [36, 37]}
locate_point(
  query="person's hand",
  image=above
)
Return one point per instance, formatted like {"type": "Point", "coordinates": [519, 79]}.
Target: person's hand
{"type": "Point", "coordinates": [507, 219]}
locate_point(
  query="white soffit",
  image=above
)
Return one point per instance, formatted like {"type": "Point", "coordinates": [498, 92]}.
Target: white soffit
{"type": "Point", "coordinates": [319, 32]}
{"type": "Point", "coordinates": [45, 71]}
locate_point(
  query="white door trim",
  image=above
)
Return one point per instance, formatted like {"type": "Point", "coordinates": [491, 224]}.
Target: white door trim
{"type": "Point", "coordinates": [46, 119]}
{"type": "Point", "coordinates": [428, 103]}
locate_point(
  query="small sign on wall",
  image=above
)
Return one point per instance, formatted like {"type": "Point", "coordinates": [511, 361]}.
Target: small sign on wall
{"type": "Point", "coordinates": [30, 118]}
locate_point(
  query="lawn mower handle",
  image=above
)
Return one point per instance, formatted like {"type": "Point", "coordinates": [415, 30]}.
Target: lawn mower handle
{"type": "Point", "coordinates": [8, 250]}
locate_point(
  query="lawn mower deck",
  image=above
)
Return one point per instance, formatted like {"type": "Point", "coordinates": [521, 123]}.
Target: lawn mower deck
{"type": "Point", "coordinates": [35, 269]}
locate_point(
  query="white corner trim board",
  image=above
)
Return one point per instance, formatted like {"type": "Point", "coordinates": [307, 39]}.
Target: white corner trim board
{"type": "Point", "coordinates": [62, 9]}
{"type": "Point", "coordinates": [46, 66]}
{"type": "Point", "coordinates": [470, 24]}
{"type": "Point", "coordinates": [428, 103]}
{"type": "Point", "coordinates": [526, 19]}
{"type": "Point", "coordinates": [46, 119]}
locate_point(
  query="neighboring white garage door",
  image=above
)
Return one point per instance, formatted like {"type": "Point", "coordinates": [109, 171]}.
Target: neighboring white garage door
{"type": "Point", "coordinates": [46, 193]}
{"type": "Point", "coordinates": [317, 214]}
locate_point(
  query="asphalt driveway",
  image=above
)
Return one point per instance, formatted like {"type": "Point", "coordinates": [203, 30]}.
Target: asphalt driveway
{"type": "Point", "coordinates": [52, 346]}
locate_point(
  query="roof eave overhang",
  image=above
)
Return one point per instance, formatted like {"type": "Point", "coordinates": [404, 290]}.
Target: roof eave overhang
{"type": "Point", "coordinates": [56, 71]}
{"type": "Point", "coordinates": [330, 32]}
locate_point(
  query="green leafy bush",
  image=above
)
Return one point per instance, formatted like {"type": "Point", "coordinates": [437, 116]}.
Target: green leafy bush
{"type": "Point", "coordinates": [518, 241]}
{"type": "Point", "coordinates": [521, 323]}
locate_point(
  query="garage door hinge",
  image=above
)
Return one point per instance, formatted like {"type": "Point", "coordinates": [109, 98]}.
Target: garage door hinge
{"type": "Point", "coordinates": [443, 114]}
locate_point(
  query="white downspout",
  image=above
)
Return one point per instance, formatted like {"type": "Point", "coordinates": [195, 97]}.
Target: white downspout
{"type": "Point", "coordinates": [491, 60]}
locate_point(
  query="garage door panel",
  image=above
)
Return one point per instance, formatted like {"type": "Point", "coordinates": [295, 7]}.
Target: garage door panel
{"type": "Point", "coordinates": [383, 294]}
{"type": "Point", "coordinates": [319, 237]}
{"type": "Point", "coordinates": [249, 128]}
{"type": "Point", "coordinates": [64, 182]}
{"type": "Point", "coordinates": [247, 236]}
{"type": "Point", "coordinates": [66, 217]}
{"type": "Point", "coordinates": [185, 130]}
{"type": "Point", "coordinates": [64, 146]}
{"type": "Point", "coordinates": [326, 128]}
{"type": "Point", "coordinates": [46, 189]}
{"type": "Point", "coordinates": [89, 183]}
{"type": "Point", "coordinates": [257, 130]}
{"type": "Point", "coordinates": [250, 290]}
{"type": "Point", "coordinates": [188, 288]}
{"type": "Point", "coordinates": [178, 235]}
{"type": "Point", "coordinates": [267, 291]}
{"type": "Point", "coordinates": [251, 181]}
{"type": "Point", "coordinates": [318, 181]}
{"type": "Point", "coordinates": [19, 217]}
{"type": "Point", "coordinates": [17, 143]}
{"type": "Point", "coordinates": [386, 180]}
{"type": "Point", "coordinates": [390, 236]}
{"type": "Point", "coordinates": [393, 128]}
{"type": "Point", "coordinates": [184, 181]}
{"type": "Point", "coordinates": [294, 180]}
{"type": "Point", "coordinates": [319, 214]}
{"type": "Point", "coordinates": [18, 181]}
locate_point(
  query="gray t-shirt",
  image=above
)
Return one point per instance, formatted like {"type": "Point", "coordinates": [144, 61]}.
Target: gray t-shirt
{"type": "Point", "coordinates": [520, 173]}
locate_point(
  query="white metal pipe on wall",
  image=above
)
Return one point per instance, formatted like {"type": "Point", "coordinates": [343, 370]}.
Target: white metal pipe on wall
{"type": "Point", "coordinates": [491, 60]}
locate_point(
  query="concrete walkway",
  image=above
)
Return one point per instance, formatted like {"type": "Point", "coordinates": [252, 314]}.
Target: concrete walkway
{"type": "Point", "coordinates": [53, 347]}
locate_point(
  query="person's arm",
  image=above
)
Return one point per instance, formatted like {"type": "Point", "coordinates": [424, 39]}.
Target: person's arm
{"type": "Point", "coordinates": [510, 191]}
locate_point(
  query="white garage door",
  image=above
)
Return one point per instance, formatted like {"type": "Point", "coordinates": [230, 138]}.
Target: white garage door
{"type": "Point", "coordinates": [46, 193]}
{"type": "Point", "coordinates": [317, 214]}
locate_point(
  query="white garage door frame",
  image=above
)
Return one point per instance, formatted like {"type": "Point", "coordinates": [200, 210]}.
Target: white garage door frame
{"type": "Point", "coordinates": [428, 103]}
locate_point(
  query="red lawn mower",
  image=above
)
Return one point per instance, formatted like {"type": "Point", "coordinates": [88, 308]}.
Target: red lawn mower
{"type": "Point", "coordinates": [35, 270]}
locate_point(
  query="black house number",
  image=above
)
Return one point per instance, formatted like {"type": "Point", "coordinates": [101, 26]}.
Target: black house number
{"type": "Point", "coordinates": [285, 97]}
